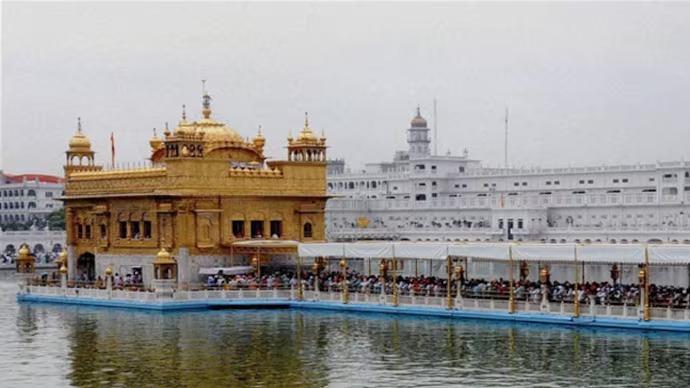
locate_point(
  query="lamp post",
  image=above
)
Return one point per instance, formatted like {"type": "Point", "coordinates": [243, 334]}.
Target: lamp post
{"type": "Point", "coordinates": [395, 283]}
{"type": "Point", "coordinates": [257, 266]}
{"type": "Point", "coordinates": [383, 269]}
{"type": "Point", "coordinates": [449, 270]}
{"type": "Point", "coordinates": [459, 281]}
{"type": "Point", "coordinates": [63, 278]}
{"type": "Point", "coordinates": [644, 298]}
{"type": "Point", "coordinates": [316, 267]}
{"type": "Point", "coordinates": [615, 273]}
{"type": "Point", "coordinates": [544, 280]}
{"type": "Point", "coordinates": [343, 267]}
{"type": "Point", "coordinates": [300, 291]}
{"type": "Point", "coordinates": [524, 271]}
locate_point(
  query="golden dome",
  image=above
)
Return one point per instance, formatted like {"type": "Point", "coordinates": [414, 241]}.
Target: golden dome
{"type": "Point", "coordinates": [79, 141]}
{"type": "Point", "coordinates": [108, 271]}
{"type": "Point", "coordinates": [155, 142]}
{"type": "Point", "coordinates": [306, 136]}
{"type": "Point", "coordinates": [217, 132]}
{"type": "Point", "coordinates": [63, 256]}
{"type": "Point", "coordinates": [24, 251]}
{"type": "Point", "coordinates": [163, 257]}
{"type": "Point", "coordinates": [63, 269]}
{"type": "Point", "coordinates": [418, 121]}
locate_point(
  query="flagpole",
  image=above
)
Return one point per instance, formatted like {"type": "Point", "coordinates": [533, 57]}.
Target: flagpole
{"type": "Point", "coordinates": [112, 149]}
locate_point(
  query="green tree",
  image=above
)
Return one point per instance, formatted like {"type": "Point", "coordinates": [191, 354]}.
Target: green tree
{"type": "Point", "coordinates": [56, 220]}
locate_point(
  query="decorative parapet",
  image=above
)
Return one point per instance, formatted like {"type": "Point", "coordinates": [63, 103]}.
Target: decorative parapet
{"type": "Point", "coordinates": [241, 171]}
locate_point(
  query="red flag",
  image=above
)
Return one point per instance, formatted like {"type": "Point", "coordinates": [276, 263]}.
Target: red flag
{"type": "Point", "coordinates": [112, 148]}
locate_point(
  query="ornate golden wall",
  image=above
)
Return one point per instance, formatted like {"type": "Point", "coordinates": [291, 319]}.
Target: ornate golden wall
{"type": "Point", "coordinates": [204, 179]}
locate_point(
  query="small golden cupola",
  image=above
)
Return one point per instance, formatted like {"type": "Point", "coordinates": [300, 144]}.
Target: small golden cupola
{"type": "Point", "coordinates": [259, 141]}
{"type": "Point", "coordinates": [79, 154]}
{"type": "Point", "coordinates": [306, 136]}
{"type": "Point", "coordinates": [79, 142]}
{"type": "Point", "coordinates": [214, 131]}
{"type": "Point", "coordinates": [155, 142]}
{"type": "Point", "coordinates": [307, 147]}
{"type": "Point", "coordinates": [158, 145]}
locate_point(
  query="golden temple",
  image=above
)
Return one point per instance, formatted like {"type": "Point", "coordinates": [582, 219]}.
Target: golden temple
{"type": "Point", "coordinates": [206, 189]}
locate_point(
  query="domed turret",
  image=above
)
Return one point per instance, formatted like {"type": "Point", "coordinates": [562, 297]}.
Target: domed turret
{"type": "Point", "coordinates": [79, 142]}
{"type": "Point", "coordinates": [79, 155]}
{"type": "Point", "coordinates": [418, 121]}
{"type": "Point", "coordinates": [259, 141]}
{"type": "Point", "coordinates": [307, 147]}
{"type": "Point", "coordinates": [163, 256]}
{"type": "Point", "coordinates": [306, 136]}
{"type": "Point", "coordinates": [155, 142]}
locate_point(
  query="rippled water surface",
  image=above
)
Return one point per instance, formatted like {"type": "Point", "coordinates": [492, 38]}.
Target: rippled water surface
{"type": "Point", "coordinates": [55, 345]}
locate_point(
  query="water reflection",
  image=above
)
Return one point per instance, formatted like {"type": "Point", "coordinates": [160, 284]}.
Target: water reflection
{"type": "Point", "coordinates": [313, 349]}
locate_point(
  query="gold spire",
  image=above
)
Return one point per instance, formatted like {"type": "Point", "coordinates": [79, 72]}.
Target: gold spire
{"type": "Point", "coordinates": [259, 141]}
{"type": "Point", "coordinates": [167, 130]}
{"type": "Point", "coordinates": [79, 142]}
{"type": "Point", "coordinates": [184, 114]}
{"type": "Point", "coordinates": [155, 142]}
{"type": "Point", "coordinates": [306, 135]}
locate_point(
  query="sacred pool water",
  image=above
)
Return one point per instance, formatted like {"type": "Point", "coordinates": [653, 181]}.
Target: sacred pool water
{"type": "Point", "coordinates": [56, 345]}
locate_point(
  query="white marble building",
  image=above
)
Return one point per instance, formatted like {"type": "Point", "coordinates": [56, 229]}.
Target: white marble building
{"type": "Point", "coordinates": [423, 197]}
{"type": "Point", "coordinates": [28, 196]}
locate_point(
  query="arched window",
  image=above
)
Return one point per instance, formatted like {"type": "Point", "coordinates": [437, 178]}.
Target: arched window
{"type": "Point", "coordinates": [31, 193]}
{"type": "Point", "coordinates": [32, 205]}
{"type": "Point", "coordinates": [307, 230]}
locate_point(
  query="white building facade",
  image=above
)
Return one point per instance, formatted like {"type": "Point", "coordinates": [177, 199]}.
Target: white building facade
{"type": "Point", "coordinates": [423, 197]}
{"type": "Point", "coordinates": [28, 197]}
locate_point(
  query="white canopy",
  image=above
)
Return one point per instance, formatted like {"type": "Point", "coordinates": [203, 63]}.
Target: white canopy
{"type": "Point", "coordinates": [420, 251]}
{"type": "Point", "coordinates": [375, 250]}
{"type": "Point", "coordinates": [495, 251]}
{"type": "Point", "coordinates": [669, 254]}
{"type": "Point", "coordinates": [321, 249]}
{"type": "Point", "coordinates": [585, 253]}
{"type": "Point", "coordinates": [610, 253]}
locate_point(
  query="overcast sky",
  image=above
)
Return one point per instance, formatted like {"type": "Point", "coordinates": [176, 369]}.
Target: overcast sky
{"type": "Point", "coordinates": [586, 83]}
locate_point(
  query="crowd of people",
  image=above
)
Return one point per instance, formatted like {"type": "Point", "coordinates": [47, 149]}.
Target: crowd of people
{"type": "Point", "coordinates": [601, 293]}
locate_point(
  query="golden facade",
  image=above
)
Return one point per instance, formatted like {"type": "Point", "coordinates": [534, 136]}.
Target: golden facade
{"type": "Point", "coordinates": [206, 188]}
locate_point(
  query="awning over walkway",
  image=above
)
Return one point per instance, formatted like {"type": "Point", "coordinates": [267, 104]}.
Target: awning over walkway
{"type": "Point", "coordinates": [565, 253]}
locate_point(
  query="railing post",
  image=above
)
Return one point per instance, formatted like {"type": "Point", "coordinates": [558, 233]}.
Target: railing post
{"type": "Point", "coordinates": [395, 284]}
{"type": "Point", "coordinates": [511, 289]}
{"type": "Point", "coordinates": [63, 283]}
{"type": "Point", "coordinates": [576, 298]}
{"type": "Point", "coordinates": [647, 315]}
